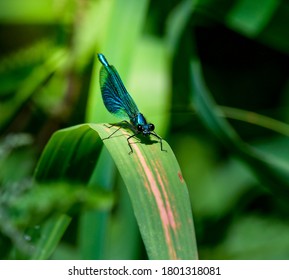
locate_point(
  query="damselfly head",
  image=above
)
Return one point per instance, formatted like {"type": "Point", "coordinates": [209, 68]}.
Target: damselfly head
{"type": "Point", "coordinates": [146, 129]}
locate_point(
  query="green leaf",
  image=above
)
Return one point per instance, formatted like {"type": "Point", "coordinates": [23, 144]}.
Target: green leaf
{"type": "Point", "coordinates": [159, 196]}
{"type": "Point", "coordinates": [153, 179]}
{"type": "Point", "coordinates": [51, 234]}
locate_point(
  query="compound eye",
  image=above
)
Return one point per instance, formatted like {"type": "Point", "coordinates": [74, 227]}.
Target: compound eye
{"type": "Point", "coordinates": [139, 128]}
{"type": "Point", "coordinates": [151, 127]}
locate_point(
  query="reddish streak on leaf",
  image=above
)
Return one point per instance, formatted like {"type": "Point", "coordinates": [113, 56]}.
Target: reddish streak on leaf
{"type": "Point", "coordinates": [166, 216]}
{"type": "Point", "coordinates": [172, 222]}
{"type": "Point", "coordinates": [181, 177]}
{"type": "Point", "coordinates": [163, 182]}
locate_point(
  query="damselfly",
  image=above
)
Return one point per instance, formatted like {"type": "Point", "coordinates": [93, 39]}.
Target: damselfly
{"type": "Point", "coordinates": [118, 102]}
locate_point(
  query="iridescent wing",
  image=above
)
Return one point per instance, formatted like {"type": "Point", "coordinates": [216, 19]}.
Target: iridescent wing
{"type": "Point", "coordinates": [114, 94]}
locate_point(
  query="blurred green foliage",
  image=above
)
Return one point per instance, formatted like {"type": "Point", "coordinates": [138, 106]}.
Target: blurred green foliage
{"type": "Point", "coordinates": [49, 80]}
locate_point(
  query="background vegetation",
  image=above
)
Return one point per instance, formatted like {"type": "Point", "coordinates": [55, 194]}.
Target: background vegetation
{"type": "Point", "coordinates": [211, 75]}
